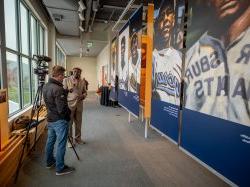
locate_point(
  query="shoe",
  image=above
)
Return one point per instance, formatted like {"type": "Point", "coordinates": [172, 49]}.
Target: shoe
{"type": "Point", "coordinates": [49, 166]}
{"type": "Point", "coordinates": [80, 141]}
{"type": "Point", "coordinates": [66, 170]}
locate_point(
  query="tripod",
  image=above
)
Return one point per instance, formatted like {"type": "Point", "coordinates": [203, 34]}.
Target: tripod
{"type": "Point", "coordinates": [34, 123]}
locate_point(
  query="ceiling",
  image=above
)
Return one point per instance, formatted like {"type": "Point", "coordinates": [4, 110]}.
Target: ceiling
{"type": "Point", "coordinates": [64, 14]}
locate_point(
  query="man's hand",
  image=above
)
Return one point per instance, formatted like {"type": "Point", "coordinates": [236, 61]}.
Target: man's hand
{"type": "Point", "coordinates": [82, 97]}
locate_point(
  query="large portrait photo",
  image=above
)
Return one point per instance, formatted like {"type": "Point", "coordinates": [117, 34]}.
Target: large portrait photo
{"type": "Point", "coordinates": [217, 65]}
{"type": "Point", "coordinates": [167, 55]}
{"type": "Point", "coordinates": [135, 53]}
{"type": "Point", "coordinates": [123, 59]}
{"type": "Point", "coordinates": [113, 62]}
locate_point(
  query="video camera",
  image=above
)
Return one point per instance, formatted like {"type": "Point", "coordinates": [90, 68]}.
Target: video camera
{"type": "Point", "coordinates": [42, 68]}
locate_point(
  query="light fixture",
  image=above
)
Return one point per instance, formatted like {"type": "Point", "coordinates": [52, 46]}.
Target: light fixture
{"type": "Point", "coordinates": [81, 17]}
{"type": "Point", "coordinates": [81, 4]}
{"type": "Point", "coordinates": [80, 9]}
{"type": "Point", "coordinates": [81, 28]}
{"type": "Point", "coordinates": [57, 17]}
{"type": "Point", "coordinates": [89, 44]}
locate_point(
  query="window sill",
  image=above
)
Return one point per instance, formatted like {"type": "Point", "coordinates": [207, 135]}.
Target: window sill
{"type": "Point", "coordinates": [19, 113]}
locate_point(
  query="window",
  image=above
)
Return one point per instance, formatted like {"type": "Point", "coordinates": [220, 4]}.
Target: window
{"type": "Point", "coordinates": [33, 31]}
{"type": "Point", "coordinates": [34, 80]}
{"type": "Point", "coordinates": [13, 82]}
{"type": "Point", "coordinates": [22, 83]}
{"type": "Point", "coordinates": [24, 29]}
{"type": "Point", "coordinates": [10, 24]}
{"type": "Point", "coordinates": [60, 57]}
{"type": "Point", "coordinates": [41, 40]}
{"type": "Point", "coordinates": [26, 81]}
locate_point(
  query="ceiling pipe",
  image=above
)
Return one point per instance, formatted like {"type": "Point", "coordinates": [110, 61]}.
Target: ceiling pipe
{"type": "Point", "coordinates": [95, 9]}
{"type": "Point", "coordinates": [131, 2]}
{"type": "Point", "coordinates": [88, 12]}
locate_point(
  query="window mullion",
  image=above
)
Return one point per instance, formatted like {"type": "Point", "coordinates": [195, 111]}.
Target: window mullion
{"type": "Point", "coordinates": [19, 44]}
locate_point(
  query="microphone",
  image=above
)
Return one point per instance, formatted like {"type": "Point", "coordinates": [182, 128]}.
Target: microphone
{"type": "Point", "coordinates": [42, 58]}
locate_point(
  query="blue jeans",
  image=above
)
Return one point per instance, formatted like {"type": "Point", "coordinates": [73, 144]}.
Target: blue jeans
{"type": "Point", "coordinates": [57, 131]}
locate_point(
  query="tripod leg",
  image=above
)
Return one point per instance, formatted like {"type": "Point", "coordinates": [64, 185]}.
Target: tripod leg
{"type": "Point", "coordinates": [73, 148]}
{"type": "Point", "coordinates": [21, 156]}
{"type": "Point", "coordinates": [34, 147]}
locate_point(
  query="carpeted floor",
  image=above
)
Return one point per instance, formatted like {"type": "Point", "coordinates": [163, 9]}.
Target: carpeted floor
{"type": "Point", "coordinates": [116, 154]}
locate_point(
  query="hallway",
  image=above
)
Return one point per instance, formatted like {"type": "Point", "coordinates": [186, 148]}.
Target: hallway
{"type": "Point", "coordinates": [116, 154]}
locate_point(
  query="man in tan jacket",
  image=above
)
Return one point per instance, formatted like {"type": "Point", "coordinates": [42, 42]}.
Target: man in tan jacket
{"type": "Point", "coordinates": [77, 93]}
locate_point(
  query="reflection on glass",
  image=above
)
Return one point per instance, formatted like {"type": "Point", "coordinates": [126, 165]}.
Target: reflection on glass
{"type": "Point", "coordinates": [60, 57]}
{"type": "Point", "coordinates": [34, 80]}
{"type": "Point", "coordinates": [10, 23]}
{"type": "Point", "coordinates": [24, 29]}
{"type": "Point", "coordinates": [26, 82]}
{"type": "Point", "coordinates": [33, 30]}
{"type": "Point", "coordinates": [13, 82]}
{"type": "Point", "coordinates": [41, 40]}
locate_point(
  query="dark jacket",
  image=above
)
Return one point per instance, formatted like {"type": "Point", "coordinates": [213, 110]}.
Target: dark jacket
{"type": "Point", "coordinates": [55, 98]}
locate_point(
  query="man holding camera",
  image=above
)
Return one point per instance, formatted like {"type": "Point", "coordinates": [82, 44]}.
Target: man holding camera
{"type": "Point", "coordinates": [58, 118]}
{"type": "Point", "coordinates": [77, 93]}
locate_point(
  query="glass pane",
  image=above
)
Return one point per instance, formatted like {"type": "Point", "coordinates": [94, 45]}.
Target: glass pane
{"type": "Point", "coordinates": [57, 56]}
{"type": "Point", "coordinates": [41, 40]}
{"type": "Point", "coordinates": [24, 29]}
{"type": "Point", "coordinates": [10, 24]}
{"type": "Point", "coordinates": [33, 30]}
{"type": "Point", "coordinates": [34, 80]}
{"type": "Point", "coordinates": [26, 81]}
{"type": "Point", "coordinates": [13, 82]}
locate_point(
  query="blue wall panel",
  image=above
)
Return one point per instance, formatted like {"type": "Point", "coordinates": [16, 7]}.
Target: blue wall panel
{"type": "Point", "coordinates": [221, 144]}
{"type": "Point", "coordinates": [165, 118]}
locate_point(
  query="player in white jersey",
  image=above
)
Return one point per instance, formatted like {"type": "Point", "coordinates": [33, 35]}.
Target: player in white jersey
{"type": "Point", "coordinates": [167, 75]}
{"type": "Point", "coordinates": [166, 60]}
{"type": "Point", "coordinates": [217, 73]}
{"type": "Point", "coordinates": [113, 65]}
{"type": "Point", "coordinates": [123, 71]}
{"type": "Point", "coordinates": [134, 65]}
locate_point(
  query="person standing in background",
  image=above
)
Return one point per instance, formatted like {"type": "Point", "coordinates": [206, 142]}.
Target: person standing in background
{"type": "Point", "coordinates": [77, 93]}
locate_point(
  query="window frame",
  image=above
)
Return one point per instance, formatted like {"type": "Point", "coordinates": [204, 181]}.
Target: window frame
{"type": "Point", "coordinates": [20, 54]}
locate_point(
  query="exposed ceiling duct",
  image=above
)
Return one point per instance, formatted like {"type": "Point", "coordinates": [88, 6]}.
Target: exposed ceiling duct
{"type": "Point", "coordinates": [129, 5]}
{"type": "Point", "coordinates": [81, 21]}
{"type": "Point", "coordinates": [95, 9]}
{"type": "Point", "coordinates": [88, 12]}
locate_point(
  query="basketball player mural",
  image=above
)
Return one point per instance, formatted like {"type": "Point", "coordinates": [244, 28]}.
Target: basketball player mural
{"type": "Point", "coordinates": [166, 60]}
{"type": "Point", "coordinates": [217, 73]}
{"type": "Point", "coordinates": [113, 63]}
{"type": "Point", "coordinates": [134, 65]}
{"type": "Point", "coordinates": [123, 74]}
